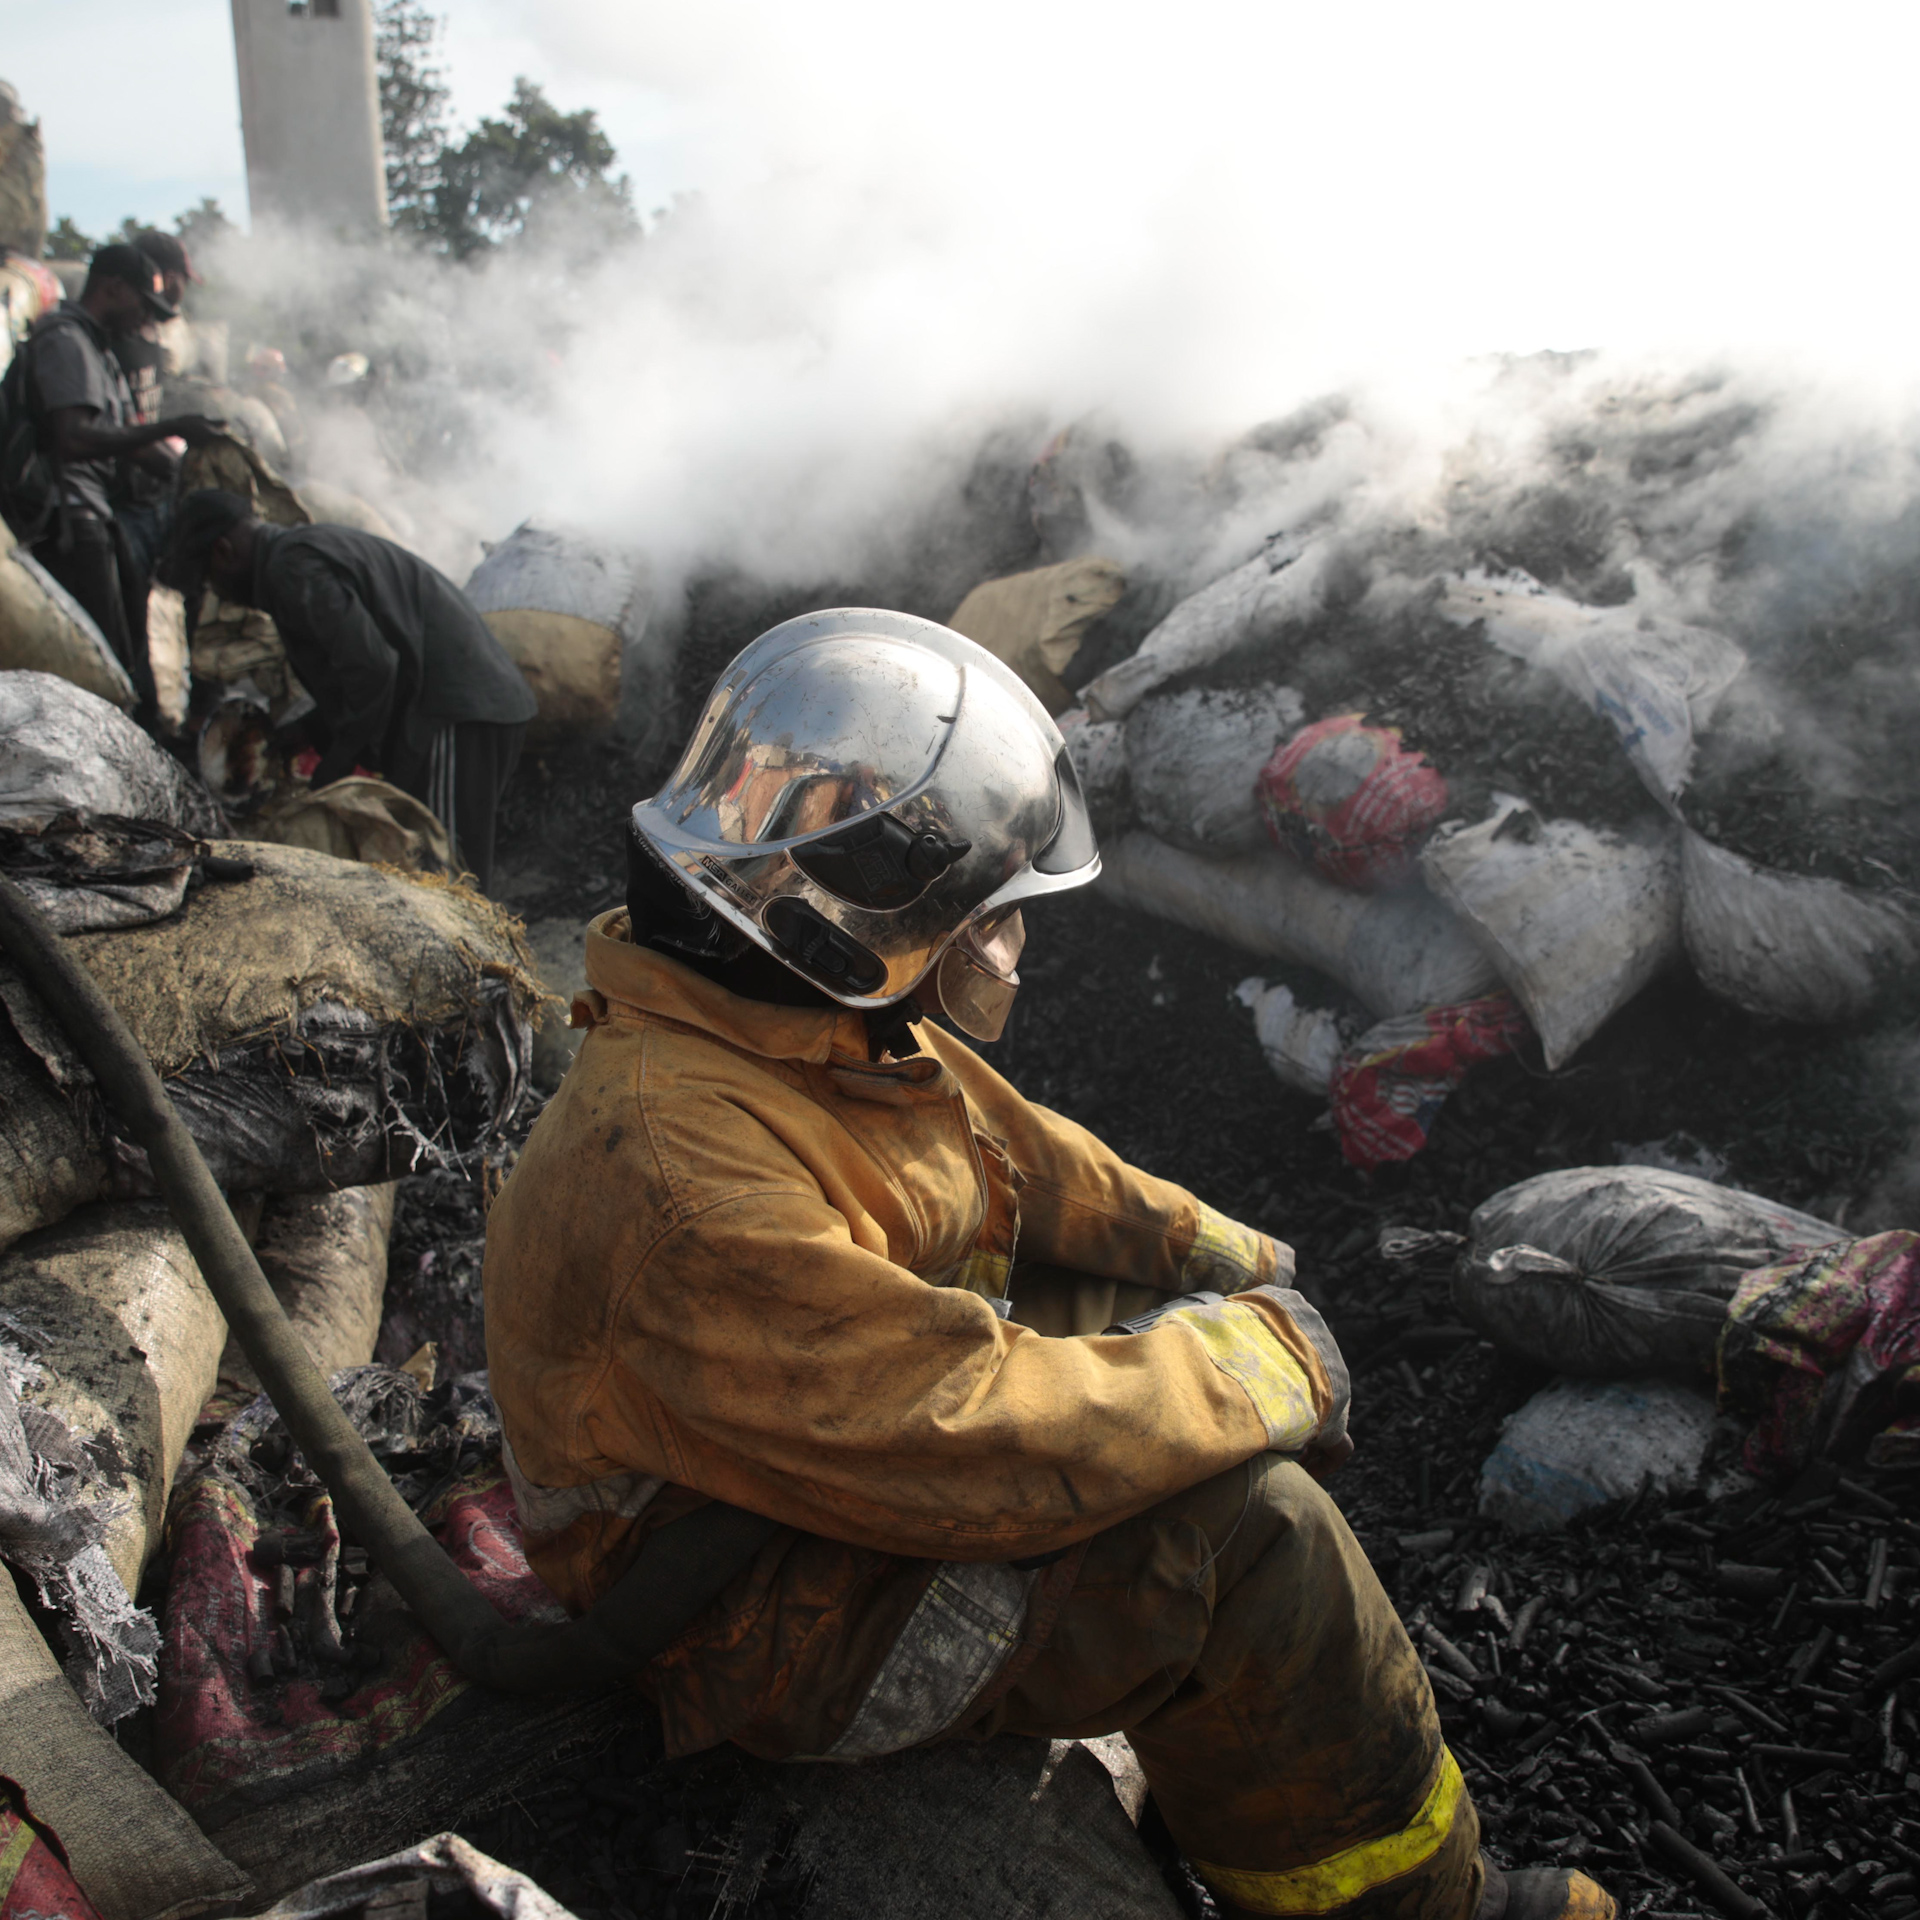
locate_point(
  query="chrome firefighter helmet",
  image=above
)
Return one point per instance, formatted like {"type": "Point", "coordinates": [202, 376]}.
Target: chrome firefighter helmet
{"type": "Point", "coordinates": [871, 798]}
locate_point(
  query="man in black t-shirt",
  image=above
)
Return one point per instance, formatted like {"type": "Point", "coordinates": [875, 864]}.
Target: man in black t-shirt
{"type": "Point", "coordinates": [87, 425]}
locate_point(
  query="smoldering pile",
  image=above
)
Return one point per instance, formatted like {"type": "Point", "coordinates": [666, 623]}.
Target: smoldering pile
{"type": "Point", "coordinates": [1491, 751]}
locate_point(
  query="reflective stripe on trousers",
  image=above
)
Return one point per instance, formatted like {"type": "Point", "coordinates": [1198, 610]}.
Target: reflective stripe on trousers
{"type": "Point", "coordinates": [1346, 1876]}
{"type": "Point", "coordinates": [962, 1633]}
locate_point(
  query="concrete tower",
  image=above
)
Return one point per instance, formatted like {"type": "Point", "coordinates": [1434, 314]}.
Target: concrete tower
{"type": "Point", "coordinates": [310, 112]}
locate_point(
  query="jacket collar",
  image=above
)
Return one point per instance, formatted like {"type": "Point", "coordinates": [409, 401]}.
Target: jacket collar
{"type": "Point", "coordinates": [646, 979]}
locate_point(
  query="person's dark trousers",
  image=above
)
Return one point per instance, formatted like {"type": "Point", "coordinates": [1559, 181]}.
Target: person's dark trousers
{"type": "Point", "coordinates": [93, 559]}
{"type": "Point", "coordinates": [461, 777]}
{"type": "Point", "coordinates": [148, 526]}
{"type": "Point", "coordinates": [485, 755]}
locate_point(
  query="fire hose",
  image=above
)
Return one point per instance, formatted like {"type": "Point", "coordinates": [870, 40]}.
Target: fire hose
{"type": "Point", "coordinates": [680, 1569]}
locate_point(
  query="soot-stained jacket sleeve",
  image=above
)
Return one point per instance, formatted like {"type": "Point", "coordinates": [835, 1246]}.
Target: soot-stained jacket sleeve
{"type": "Point", "coordinates": [1082, 1206]}
{"type": "Point", "coordinates": [341, 656]}
{"type": "Point", "coordinates": [788, 1369]}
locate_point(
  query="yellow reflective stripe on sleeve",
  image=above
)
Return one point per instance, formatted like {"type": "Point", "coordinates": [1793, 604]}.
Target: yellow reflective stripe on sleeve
{"type": "Point", "coordinates": [1343, 1877]}
{"type": "Point", "coordinates": [13, 1855]}
{"type": "Point", "coordinates": [1241, 1344]}
{"type": "Point", "coordinates": [1224, 1257]}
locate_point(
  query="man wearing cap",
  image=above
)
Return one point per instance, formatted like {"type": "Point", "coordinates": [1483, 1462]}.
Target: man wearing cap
{"type": "Point", "coordinates": [89, 429]}
{"type": "Point", "coordinates": [407, 679]}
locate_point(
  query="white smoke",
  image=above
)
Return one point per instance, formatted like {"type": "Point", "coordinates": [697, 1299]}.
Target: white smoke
{"type": "Point", "coordinates": [914, 227]}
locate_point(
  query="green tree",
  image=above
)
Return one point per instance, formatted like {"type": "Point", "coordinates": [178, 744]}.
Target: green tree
{"type": "Point", "coordinates": [413, 110]}
{"type": "Point", "coordinates": [201, 228]}
{"type": "Point", "coordinates": [66, 242]}
{"type": "Point", "coordinates": [534, 170]}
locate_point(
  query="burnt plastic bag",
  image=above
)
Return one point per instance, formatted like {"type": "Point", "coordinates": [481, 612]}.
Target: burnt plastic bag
{"type": "Point", "coordinates": [43, 628]}
{"type": "Point", "coordinates": [134, 1851]}
{"type": "Point", "coordinates": [1351, 801]}
{"type": "Point", "coordinates": [1611, 1272]}
{"type": "Point", "coordinates": [360, 818]}
{"type": "Point", "coordinates": [325, 1256]}
{"type": "Point", "coordinates": [1789, 946]}
{"type": "Point", "coordinates": [1098, 749]}
{"type": "Point", "coordinates": [1396, 952]}
{"type": "Point", "coordinates": [1822, 1355]}
{"type": "Point", "coordinates": [86, 872]}
{"type": "Point", "coordinates": [1035, 621]}
{"type": "Point", "coordinates": [62, 748]}
{"type": "Point", "coordinates": [1579, 1444]}
{"type": "Point", "coordinates": [121, 1340]}
{"type": "Point", "coordinates": [1655, 679]}
{"type": "Point", "coordinates": [442, 1872]}
{"type": "Point", "coordinates": [1577, 920]}
{"type": "Point", "coordinates": [572, 612]}
{"type": "Point", "coordinates": [1282, 586]}
{"type": "Point", "coordinates": [52, 1522]}
{"type": "Point", "coordinates": [1194, 759]}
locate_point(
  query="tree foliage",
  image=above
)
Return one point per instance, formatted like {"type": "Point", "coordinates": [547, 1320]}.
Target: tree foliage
{"type": "Point", "coordinates": [413, 110]}
{"type": "Point", "coordinates": [534, 170]}
{"type": "Point", "coordinates": [65, 241]}
{"type": "Point", "coordinates": [201, 227]}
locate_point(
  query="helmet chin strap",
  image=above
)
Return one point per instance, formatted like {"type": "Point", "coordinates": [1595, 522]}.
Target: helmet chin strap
{"type": "Point", "coordinates": [890, 1030]}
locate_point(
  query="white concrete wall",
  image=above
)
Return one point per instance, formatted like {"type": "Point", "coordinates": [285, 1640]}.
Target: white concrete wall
{"type": "Point", "coordinates": [310, 112]}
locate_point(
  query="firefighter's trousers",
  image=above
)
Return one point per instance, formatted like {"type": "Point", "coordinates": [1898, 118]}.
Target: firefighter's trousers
{"type": "Point", "coordinates": [1239, 1638]}
{"type": "Point", "coordinates": [1235, 1633]}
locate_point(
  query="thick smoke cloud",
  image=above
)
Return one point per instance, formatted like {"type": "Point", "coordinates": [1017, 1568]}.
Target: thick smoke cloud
{"type": "Point", "coordinates": [917, 233]}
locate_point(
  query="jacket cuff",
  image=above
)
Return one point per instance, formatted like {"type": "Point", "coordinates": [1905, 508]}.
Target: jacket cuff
{"type": "Point", "coordinates": [1277, 1375]}
{"type": "Point", "coordinates": [1300, 1327]}
{"type": "Point", "coordinates": [1311, 1322]}
{"type": "Point", "coordinates": [1229, 1257]}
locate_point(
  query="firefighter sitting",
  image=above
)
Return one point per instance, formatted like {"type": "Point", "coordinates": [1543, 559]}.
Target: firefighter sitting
{"type": "Point", "coordinates": [781, 1241]}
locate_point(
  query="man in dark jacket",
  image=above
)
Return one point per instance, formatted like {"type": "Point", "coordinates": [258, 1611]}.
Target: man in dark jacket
{"type": "Point", "coordinates": [405, 675]}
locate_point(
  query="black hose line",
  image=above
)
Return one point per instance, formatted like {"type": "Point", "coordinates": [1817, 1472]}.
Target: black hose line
{"type": "Point", "coordinates": [680, 1570]}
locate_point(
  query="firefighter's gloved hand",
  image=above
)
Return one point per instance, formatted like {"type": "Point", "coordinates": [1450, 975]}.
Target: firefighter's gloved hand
{"type": "Point", "coordinates": [1243, 1345]}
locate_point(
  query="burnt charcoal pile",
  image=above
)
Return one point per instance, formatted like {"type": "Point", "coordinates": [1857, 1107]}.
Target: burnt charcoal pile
{"type": "Point", "coordinates": [1708, 1702]}
{"type": "Point", "coordinates": [1489, 721]}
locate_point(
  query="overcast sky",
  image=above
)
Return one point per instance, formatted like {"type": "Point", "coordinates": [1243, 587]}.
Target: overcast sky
{"type": "Point", "coordinates": [1488, 174]}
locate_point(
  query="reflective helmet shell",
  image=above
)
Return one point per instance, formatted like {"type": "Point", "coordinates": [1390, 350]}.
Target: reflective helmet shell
{"type": "Point", "coordinates": [862, 785]}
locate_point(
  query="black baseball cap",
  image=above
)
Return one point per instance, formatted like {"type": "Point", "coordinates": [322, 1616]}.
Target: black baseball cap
{"type": "Point", "coordinates": [167, 252]}
{"type": "Point", "coordinates": [122, 261]}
